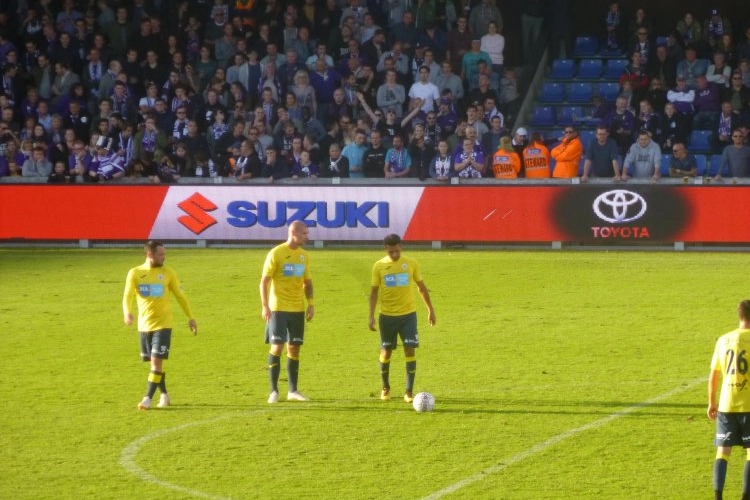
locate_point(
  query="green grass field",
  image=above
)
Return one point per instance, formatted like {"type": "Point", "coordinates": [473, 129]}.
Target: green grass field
{"type": "Point", "coordinates": [565, 375]}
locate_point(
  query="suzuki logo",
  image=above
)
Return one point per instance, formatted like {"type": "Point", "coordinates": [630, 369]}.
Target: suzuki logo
{"type": "Point", "coordinates": [619, 206]}
{"type": "Point", "coordinates": [197, 207]}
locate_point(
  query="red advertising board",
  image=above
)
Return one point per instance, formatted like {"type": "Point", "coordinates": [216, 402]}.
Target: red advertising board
{"type": "Point", "coordinates": [603, 213]}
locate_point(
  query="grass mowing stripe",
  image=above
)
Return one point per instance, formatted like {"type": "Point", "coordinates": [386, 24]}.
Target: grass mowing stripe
{"type": "Point", "coordinates": [544, 445]}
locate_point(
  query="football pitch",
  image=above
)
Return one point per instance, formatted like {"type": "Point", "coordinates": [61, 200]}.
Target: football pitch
{"type": "Point", "coordinates": [565, 375]}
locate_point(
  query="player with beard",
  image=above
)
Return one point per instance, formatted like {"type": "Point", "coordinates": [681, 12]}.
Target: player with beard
{"type": "Point", "coordinates": [392, 282]}
{"type": "Point", "coordinates": [151, 284]}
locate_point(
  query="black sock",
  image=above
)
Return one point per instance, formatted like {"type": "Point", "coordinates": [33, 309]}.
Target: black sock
{"type": "Point", "coordinates": [720, 475]}
{"type": "Point", "coordinates": [385, 372]}
{"type": "Point", "coordinates": [154, 379]}
{"type": "Point", "coordinates": [163, 383]}
{"type": "Point", "coordinates": [292, 370]}
{"type": "Point", "coordinates": [411, 373]}
{"type": "Point", "coordinates": [274, 369]}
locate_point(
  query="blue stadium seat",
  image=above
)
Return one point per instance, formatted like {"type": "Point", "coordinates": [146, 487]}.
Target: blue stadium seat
{"type": "Point", "coordinates": [552, 92]}
{"type": "Point", "coordinates": [580, 92]}
{"type": "Point", "coordinates": [666, 162]}
{"type": "Point", "coordinates": [590, 69]}
{"type": "Point", "coordinates": [569, 115]}
{"type": "Point", "coordinates": [699, 142]}
{"type": "Point", "coordinates": [581, 163]}
{"type": "Point", "coordinates": [661, 40]}
{"type": "Point", "coordinates": [543, 116]}
{"type": "Point", "coordinates": [702, 164]}
{"type": "Point", "coordinates": [586, 136]}
{"type": "Point", "coordinates": [614, 68]}
{"type": "Point", "coordinates": [714, 166]}
{"type": "Point", "coordinates": [609, 90]}
{"type": "Point", "coordinates": [563, 69]}
{"type": "Point", "coordinates": [585, 46]}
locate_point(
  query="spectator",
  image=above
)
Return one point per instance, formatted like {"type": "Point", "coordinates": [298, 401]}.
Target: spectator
{"type": "Point", "coordinates": [337, 165]}
{"type": "Point", "coordinates": [674, 128]}
{"type": "Point", "coordinates": [274, 168]}
{"type": "Point", "coordinates": [719, 72]}
{"type": "Point", "coordinates": [738, 94]}
{"type": "Point", "coordinates": [450, 81]}
{"type": "Point", "coordinates": [682, 97]}
{"type": "Point", "coordinates": [735, 158]}
{"type": "Point", "coordinates": [425, 91]}
{"type": "Point", "coordinates": [505, 161]}
{"type": "Point", "coordinates": [354, 153]}
{"type": "Point", "coordinates": [567, 154]}
{"type": "Point", "coordinates": [663, 67]}
{"type": "Point", "coordinates": [38, 165]}
{"type": "Point", "coordinates": [689, 30]}
{"type": "Point", "coordinates": [106, 165]}
{"type": "Point", "coordinates": [602, 157]}
{"type": "Point", "coordinates": [635, 73]}
{"type": "Point", "coordinates": [643, 46]}
{"type": "Point", "coordinates": [441, 166]}
{"type": "Point", "coordinates": [707, 104]}
{"type": "Point", "coordinates": [714, 27]}
{"type": "Point", "coordinates": [421, 152]}
{"type": "Point", "coordinates": [724, 126]}
{"type": "Point", "coordinates": [621, 124]}
{"type": "Point", "coordinates": [374, 158]}
{"type": "Point", "coordinates": [482, 15]}
{"type": "Point", "coordinates": [246, 165]}
{"type": "Point", "coordinates": [614, 28]}
{"type": "Point", "coordinates": [469, 71]}
{"type": "Point", "coordinates": [643, 160]}
{"type": "Point", "coordinates": [467, 162]}
{"type": "Point", "coordinates": [536, 158]}
{"type": "Point", "coordinates": [683, 162]}
{"type": "Point", "coordinates": [743, 48]}
{"type": "Point", "coordinates": [647, 119]}
{"type": "Point", "coordinates": [656, 94]}
{"type": "Point", "coordinates": [459, 43]}
{"type": "Point", "coordinates": [493, 43]}
{"type": "Point", "coordinates": [691, 67]}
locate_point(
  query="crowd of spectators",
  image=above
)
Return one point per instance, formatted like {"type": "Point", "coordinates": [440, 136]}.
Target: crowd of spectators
{"type": "Point", "coordinates": [96, 90]}
{"type": "Point", "coordinates": [692, 78]}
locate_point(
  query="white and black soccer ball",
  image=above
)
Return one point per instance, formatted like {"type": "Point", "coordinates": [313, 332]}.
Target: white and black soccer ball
{"type": "Point", "coordinates": [423, 401]}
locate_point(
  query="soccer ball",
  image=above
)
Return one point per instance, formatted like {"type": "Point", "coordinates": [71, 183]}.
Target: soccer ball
{"type": "Point", "coordinates": [424, 401]}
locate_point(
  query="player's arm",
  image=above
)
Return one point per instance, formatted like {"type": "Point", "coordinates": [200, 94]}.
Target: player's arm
{"type": "Point", "coordinates": [425, 293]}
{"type": "Point", "coordinates": [265, 283]}
{"type": "Point", "coordinates": [179, 294]}
{"type": "Point", "coordinates": [127, 299]}
{"type": "Point", "coordinates": [373, 301]}
{"type": "Point", "coordinates": [713, 388]}
{"type": "Point", "coordinates": [308, 287]}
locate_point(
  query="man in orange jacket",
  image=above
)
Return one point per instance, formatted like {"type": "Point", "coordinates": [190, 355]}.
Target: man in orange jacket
{"type": "Point", "coordinates": [567, 154]}
{"type": "Point", "coordinates": [536, 158]}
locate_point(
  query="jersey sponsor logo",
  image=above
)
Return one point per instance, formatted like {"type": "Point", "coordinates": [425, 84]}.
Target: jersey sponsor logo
{"type": "Point", "coordinates": [197, 207]}
{"type": "Point", "coordinates": [155, 290]}
{"type": "Point", "coordinates": [370, 214]}
{"type": "Point", "coordinates": [293, 270]}
{"type": "Point", "coordinates": [396, 280]}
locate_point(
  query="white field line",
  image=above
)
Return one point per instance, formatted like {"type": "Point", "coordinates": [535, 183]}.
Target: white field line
{"type": "Point", "coordinates": [129, 454]}
{"type": "Point", "coordinates": [544, 445]}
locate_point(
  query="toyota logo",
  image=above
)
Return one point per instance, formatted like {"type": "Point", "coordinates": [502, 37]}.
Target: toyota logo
{"type": "Point", "coordinates": [619, 205]}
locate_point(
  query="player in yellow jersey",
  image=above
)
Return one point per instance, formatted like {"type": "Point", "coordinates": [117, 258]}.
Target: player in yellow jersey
{"type": "Point", "coordinates": [151, 284]}
{"type": "Point", "coordinates": [729, 366]}
{"type": "Point", "coordinates": [285, 285]}
{"type": "Point", "coordinates": [393, 280]}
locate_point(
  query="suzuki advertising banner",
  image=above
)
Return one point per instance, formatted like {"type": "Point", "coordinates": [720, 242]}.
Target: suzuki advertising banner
{"type": "Point", "coordinates": [587, 213]}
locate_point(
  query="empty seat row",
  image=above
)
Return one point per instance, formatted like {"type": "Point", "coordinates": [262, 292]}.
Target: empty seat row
{"type": "Point", "coordinates": [587, 69]}
{"type": "Point", "coordinates": [577, 92]}
{"type": "Point", "coordinates": [588, 46]}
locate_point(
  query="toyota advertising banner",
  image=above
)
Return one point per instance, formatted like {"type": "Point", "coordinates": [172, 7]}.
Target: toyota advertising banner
{"type": "Point", "coordinates": [588, 213]}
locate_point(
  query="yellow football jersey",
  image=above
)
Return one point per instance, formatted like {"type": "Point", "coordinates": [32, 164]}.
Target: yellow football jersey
{"type": "Point", "coordinates": [152, 286]}
{"type": "Point", "coordinates": [731, 357]}
{"type": "Point", "coordinates": [288, 270]}
{"type": "Point", "coordinates": [396, 281]}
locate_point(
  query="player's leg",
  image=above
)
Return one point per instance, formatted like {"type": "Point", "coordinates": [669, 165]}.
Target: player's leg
{"type": "Point", "coordinates": [157, 345]}
{"type": "Point", "coordinates": [388, 336]}
{"type": "Point", "coordinates": [276, 338]}
{"type": "Point", "coordinates": [296, 336]}
{"type": "Point", "coordinates": [720, 470]}
{"type": "Point", "coordinates": [410, 340]}
{"type": "Point", "coordinates": [728, 434]}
